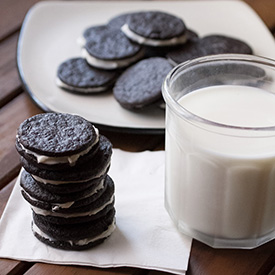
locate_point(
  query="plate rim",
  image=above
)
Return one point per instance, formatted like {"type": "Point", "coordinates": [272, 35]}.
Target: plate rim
{"type": "Point", "coordinates": [44, 107]}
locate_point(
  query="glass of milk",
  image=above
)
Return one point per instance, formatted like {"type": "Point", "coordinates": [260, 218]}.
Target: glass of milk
{"type": "Point", "coordinates": [220, 149]}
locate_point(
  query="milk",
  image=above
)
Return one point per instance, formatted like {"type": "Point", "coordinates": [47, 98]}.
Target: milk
{"type": "Point", "coordinates": [220, 181]}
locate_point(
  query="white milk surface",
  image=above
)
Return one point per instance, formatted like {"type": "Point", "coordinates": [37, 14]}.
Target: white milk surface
{"type": "Point", "coordinates": [232, 105]}
{"type": "Point", "coordinates": [221, 188]}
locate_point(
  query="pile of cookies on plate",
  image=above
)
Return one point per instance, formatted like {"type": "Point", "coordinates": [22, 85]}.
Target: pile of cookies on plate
{"type": "Point", "coordinates": [133, 52]}
{"type": "Point", "coordinates": [65, 180]}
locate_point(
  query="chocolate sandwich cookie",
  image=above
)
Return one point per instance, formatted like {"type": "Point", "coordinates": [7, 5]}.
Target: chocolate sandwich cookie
{"type": "Point", "coordinates": [118, 21]}
{"type": "Point", "coordinates": [91, 33]}
{"type": "Point", "coordinates": [151, 51]}
{"type": "Point", "coordinates": [155, 28]}
{"type": "Point", "coordinates": [140, 85]}
{"type": "Point", "coordinates": [76, 75]}
{"type": "Point", "coordinates": [67, 188]}
{"type": "Point", "coordinates": [53, 138]}
{"type": "Point", "coordinates": [40, 197]}
{"type": "Point", "coordinates": [70, 215]}
{"type": "Point", "coordinates": [50, 163]}
{"type": "Point", "coordinates": [208, 45]}
{"type": "Point", "coordinates": [93, 168]}
{"type": "Point", "coordinates": [111, 49]}
{"type": "Point", "coordinates": [73, 232]}
{"type": "Point", "coordinates": [74, 236]}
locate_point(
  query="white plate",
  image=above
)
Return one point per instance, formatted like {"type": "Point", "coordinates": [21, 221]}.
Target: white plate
{"type": "Point", "coordinates": [49, 34]}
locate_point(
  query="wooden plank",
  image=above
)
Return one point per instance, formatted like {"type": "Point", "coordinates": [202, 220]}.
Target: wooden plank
{"type": "Point", "coordinates": [43, 269]}
{"type": "Point", "coordinates": [265, 9]}
{"type": "Point", "coordinates": [4, 195]}
{"type": "Point", "coordinates": [10, 83]}
{"type": "Point", "coordinates": [206, 260]}
{"type": "Point", "coordinates": [272, 272]}
{"type": "Point", "coordinates": [13, 267]}
{"type": "Point", "coordinates": [11, 115]}
{"type": "Point", "coordinates": [10, 165]}
{"type": "Point", "coordinates": [12, 13]}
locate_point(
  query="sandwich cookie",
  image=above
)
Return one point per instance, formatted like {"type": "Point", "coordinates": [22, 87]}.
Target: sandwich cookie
{"type": "Point", "coordinates": [155, 28]}
{"type": "Point", "coordinates": [208, 45]}
{"type": "Point", "coordinates": [42, 198]}
{"type": "Point", "coordinates": [110, 49]}
{"type": "Point", "coordinates": [90, 33]}
{"type": "Point", "coordinates": [56, 163]}
{"type": "Point", "coordinates": [80, 213]}
{"type": "Point", "coordinates": [71, 187]}
{"type": "Point", "coordinates": [54, 139]}
{"type": "Point", "coordinates": [76, 75]}
{"type": "Point", "coordinates": [140, 85]}
{"type": "Point", "coordinates": [118, 21]}
{"type": "Point", "coordinates": [92, 168]}
{"type": "Point", "coordinates": [151, 51]}
{"type": "Point", "coordinates": [78, 236]}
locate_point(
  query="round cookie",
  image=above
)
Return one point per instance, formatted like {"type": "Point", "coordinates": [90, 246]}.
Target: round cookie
{"type": "Point", "coordinates": [155, 28]}
{"type": "Point", "coordinates": [56, 135]}
{"type": "Point", "coordinates": [76, 75]}
{"type": "Point", "coordinates": [74, 236]}
{"type": "Point", "coordinates": [92, 168]}
{"type": "Point", "coordinates": [118, 21]}
{"type": "Point", "coordinates": [226, 44]}
{"type": "Point", "coordinates": [208, 45]}
{"type": "Point", "coordinates": [93, 31]}
{"type": "Point", "coordinates": [40, 197]}
{"type": "Point", "coordinates": [111, 49]}
{"type": "Point", "coordinates": [140, 85]}
{"type": "Point", "coordinates": [96, 214]}
{"type": "Point", "coordinates": [68, 188]}
{"type": "Point", "coordinates": [151, 51]}
{"type": "Point", "coordinates": [83, 213]}
{"type": "Point", "coordinates": [65, 245]}
{"type": "Point", "coordinates": [56, 165]}
{"type": "Point", "coordinates": [75, 231]}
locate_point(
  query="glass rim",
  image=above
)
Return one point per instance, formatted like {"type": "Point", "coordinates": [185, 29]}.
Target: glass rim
{"type": "Point", "coordinates": [180, 110]}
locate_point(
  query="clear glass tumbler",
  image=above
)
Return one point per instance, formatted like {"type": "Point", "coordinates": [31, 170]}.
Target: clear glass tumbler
{"type": "Point", "coordinates": [220, 149]}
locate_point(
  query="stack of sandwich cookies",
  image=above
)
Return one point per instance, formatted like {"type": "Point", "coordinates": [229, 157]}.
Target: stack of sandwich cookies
{"type": "Point", "coordinates": [65, 180]}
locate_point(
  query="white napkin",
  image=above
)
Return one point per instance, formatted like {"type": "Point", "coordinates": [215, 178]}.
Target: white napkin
{"type": "Point", "coordinates": [145, 237]}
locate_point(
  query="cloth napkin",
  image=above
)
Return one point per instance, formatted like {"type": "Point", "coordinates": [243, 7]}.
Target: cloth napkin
{"type": "Point", "coordinates": [145, 236]}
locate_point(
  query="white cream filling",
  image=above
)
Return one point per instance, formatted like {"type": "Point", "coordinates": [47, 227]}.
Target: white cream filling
{"type": "Point", "coordinates": [85, 241]}
{"type": "Point", "coordinates": [64, 159]}
{"type": "Point", "coordinates": [43, 212]}
{"type": "Point", "coordinates": [110, 64]}
{"type": "Point", "coordinates": [153, 42]}
{"type": "Point", "coordinates": [162, 105]}
{"type": "Point", "coordinates": [61, 84]}
{"type": "Point", "coordinates": [56, 206]}
{"type": "Point", "coordinates": [81, 41]}
{"type": "Point", "coordinates": [58, 182]}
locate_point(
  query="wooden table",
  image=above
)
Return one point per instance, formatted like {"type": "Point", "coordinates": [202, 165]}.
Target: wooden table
{"type": "Point", "coordinates": [16, 106]}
